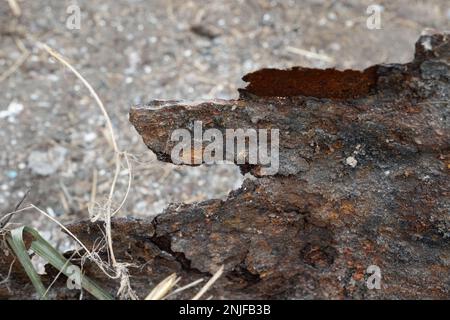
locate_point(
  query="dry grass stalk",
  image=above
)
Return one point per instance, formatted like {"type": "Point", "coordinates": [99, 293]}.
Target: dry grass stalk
{"type": "Point", "coordinates": [18, 63]}
{"type": "Point", "coordinates": [163, 288]}
{"type": "Point", "coordinates": [15, 8]}
{"type": "Point", "coordinates": [107, 213]}
{"type": "Point", "coordinates": [310, 54]}
{"type": "Point", "coordinates": [208, 285]}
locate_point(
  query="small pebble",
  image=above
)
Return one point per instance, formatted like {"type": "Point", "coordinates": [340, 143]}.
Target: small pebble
{"type": "Point", "coordinates": [11, 174]}
{"type": "Point", "coordinates": [351, 161]}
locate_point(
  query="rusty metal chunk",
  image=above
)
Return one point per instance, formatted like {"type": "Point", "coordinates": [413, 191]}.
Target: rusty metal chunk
{"type": "Point", "coordinates": [363, 181]}
{"type": "Point", "coordinates": [363, 184]}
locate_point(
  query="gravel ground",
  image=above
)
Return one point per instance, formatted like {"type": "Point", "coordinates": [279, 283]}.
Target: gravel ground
{"type": "Point", "coordinates": [54, 139]}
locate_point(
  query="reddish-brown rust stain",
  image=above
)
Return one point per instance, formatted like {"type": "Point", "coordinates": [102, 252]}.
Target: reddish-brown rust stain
{"type": "Point", "coordinates": [328, 83]}
{"type": "Point", "coordinates": [347, 207]}
{"type": "Point", "coordinates": [358, 275]}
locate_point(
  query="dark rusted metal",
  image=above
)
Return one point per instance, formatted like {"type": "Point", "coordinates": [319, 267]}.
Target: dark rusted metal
{"type": "Point", "coordinates": [363, 180]}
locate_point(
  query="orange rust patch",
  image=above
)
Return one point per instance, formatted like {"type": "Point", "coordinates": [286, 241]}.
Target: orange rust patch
{"type": "Point", "coordinates": [347, 207]}
{"type": "Point", "coordinates": [358, 276]}
{"type": "Point", "coordinates": [333, 215]}
{"type": "Point", "coordinates": [328, 83]}
{"type": "Point", "coordinates": [413, 109]}
{"type": "Point", "coordinates": [368, 246]}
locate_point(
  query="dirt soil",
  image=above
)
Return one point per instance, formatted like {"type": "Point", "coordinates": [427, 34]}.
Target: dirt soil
{"type": "Point", "coordinates": [54, 140]}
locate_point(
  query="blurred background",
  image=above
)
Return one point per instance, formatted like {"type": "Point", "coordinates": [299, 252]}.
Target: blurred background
{"type": "Point", "coordinates": [53, 137]}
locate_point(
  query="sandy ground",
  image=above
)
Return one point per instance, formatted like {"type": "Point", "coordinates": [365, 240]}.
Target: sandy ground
{"type": "Point", "coordinates": [53, 137]}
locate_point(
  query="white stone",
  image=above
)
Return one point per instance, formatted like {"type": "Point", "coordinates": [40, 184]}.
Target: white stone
{"type": "Point", "coordinates": [351, 161]}
{"type": "Point", "coordinates": [14, 109]}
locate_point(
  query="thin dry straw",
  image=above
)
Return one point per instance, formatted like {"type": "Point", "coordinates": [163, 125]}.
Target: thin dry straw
{"type": "Point", "coordinates": [188, 286]}
{"type": "Point", "coordinates": [163, 288]}
{"type": "Point", "coordinates": [63, 227]}
{"type": "Point", "coordinates": [15, 8]}
{"type": "Point", "coordinates": [108, 211]}
{"type": "Point", "coordinates": [61, 59]}
{"type": "Point", "coordinates": [16, 65]}
{"type": "Point", "coordinates": [209, 284]}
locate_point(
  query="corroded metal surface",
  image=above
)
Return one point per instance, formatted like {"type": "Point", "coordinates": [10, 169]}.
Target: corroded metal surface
{"type": "Point", "coordinates": [363, 180]}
